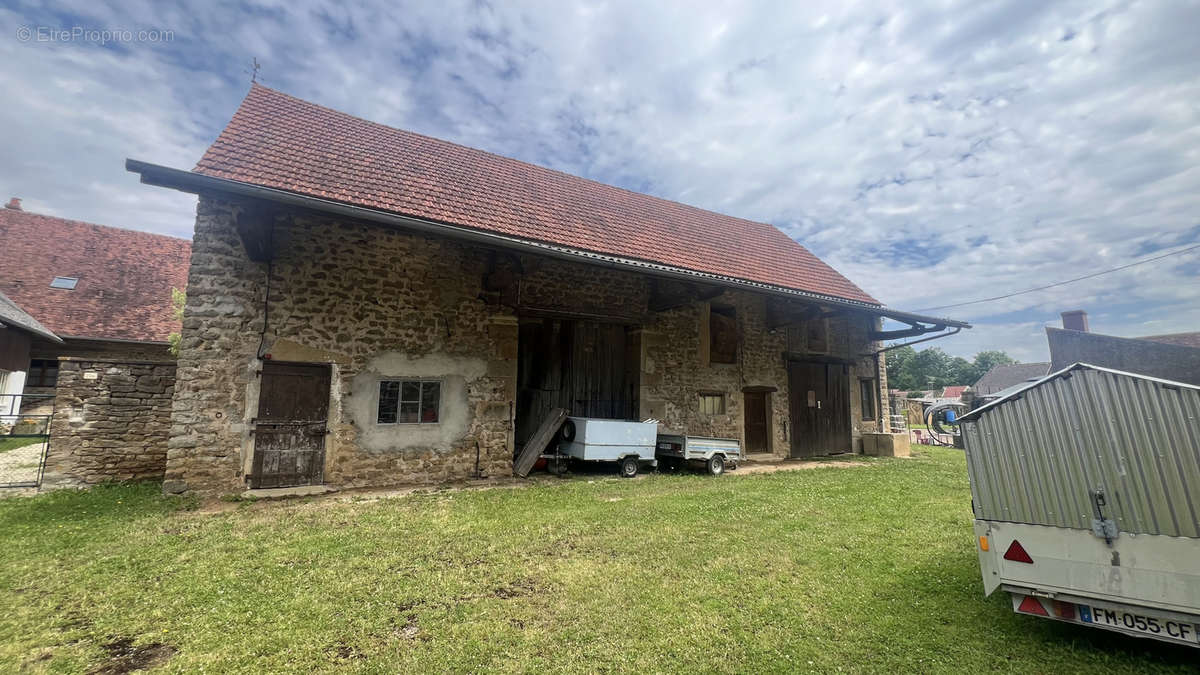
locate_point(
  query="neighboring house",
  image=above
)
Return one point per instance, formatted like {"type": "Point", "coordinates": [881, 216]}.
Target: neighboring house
{"type": "Point", "coordinates": [18, 330]}
{"type": "Point", "coordinates": [104, 295]}
{"type": "Point", "coordinates": [952, 393]}
{"type": "Point", "coordinates": [1181, 339]}
{"type": "Point", "coordinates": [1003, 376]}
{"type": "Point", "coordinates": [369, 306]}
{"type": "Point", "coordinates": [1163, 356]}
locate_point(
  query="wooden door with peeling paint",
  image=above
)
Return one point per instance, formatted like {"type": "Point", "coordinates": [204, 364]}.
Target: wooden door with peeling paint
{"type": "Point", "coordinates": [289, 431]}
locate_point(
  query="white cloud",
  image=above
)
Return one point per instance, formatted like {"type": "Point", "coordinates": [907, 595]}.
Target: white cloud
{"type": "Point", "coordinates": [933, 152]}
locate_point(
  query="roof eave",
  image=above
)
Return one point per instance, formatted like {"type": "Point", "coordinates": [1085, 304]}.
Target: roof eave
{"type": "Point", "coordinates": [44, 334]}
{"type": "Point", "coordinates": [196, 183]}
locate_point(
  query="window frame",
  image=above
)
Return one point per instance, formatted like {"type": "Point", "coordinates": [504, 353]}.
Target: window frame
{"type": "Point", "coordinates": [39, 380]}
{"type": "Point", "coordinates": [716, 314]}
{"type": "Point", "coordinates": [871, 385]}
{"type": "Point", "coordinates": [719, 395]}
{"type": "Point", "coordinates": [64, 283]}
{"type": "Point", "coordinates": [401, 381]}
{"type": "Point", "coordinates": [822, 328]}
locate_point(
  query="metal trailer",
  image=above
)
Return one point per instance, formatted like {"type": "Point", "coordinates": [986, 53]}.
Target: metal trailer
{"type": "Point", "coordinates": [714, 453]}
{"type": "Point", "coordinates": [629, 444]}
{"type": "Point", "coordinates": [1085, 489]}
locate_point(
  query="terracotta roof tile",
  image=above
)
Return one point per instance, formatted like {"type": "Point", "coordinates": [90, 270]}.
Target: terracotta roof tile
{"type": "Point", "coordinates": [125, 276]}
{"type": "Point", "coordinates": [282, 142]}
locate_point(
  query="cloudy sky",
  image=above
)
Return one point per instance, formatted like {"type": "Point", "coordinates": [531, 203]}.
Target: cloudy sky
{"type": "Point", "coordinates": [934, 152]}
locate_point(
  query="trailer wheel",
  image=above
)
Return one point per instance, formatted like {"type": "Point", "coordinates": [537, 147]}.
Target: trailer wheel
{"type": "Point", "coordinates": [716, 465]}
{"type": "Point", "coordinates": [629, 467]}
{"type": "Point", "coordinates": [557, 465]}
{"type": "Point", "coordinates": [568, 431]}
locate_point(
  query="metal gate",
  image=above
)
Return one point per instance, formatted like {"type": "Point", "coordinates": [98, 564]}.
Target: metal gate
{"type": "Point", "coordinates": [24, 438]}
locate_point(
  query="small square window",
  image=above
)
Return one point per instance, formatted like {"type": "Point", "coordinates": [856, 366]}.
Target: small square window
{"type": "Point", "coordinates": [712, 404]}
{"type": "Point", "coordinates": [65, 283]}
{"type": "Point", "coordinates": [409, 402]}
{"type": "Point", "coordinates": [42, 373]}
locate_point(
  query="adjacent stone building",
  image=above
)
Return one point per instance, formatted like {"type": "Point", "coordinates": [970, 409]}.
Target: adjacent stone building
{"type": "Point", "coordinates": [106, 374]}
{"type": "Point", "coordinates": [370, 307]}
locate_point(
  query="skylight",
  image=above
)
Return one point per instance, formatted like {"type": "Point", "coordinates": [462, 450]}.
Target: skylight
{"type": "Point", "coordinates": [67, 283]}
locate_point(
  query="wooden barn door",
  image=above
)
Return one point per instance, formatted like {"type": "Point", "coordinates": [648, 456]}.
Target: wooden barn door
{"type": "Point", "coordinates": [820, 408]}
{"type": "Point", "coordinates": [583, 366]}
{"type": "Point", "coordinates": [289, 432]}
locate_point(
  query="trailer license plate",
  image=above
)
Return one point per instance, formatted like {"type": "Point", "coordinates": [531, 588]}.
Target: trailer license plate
{"type": "Point", "coordinates": [1170, 629]}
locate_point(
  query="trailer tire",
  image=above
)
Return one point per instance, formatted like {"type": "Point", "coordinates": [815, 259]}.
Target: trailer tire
{"type": "Point", "coordinates": [557, 465]}
{"type": "Point", "coordinates": [568, 431]}
{"type": "Point", "coordinates": [629, 467]}
{"type": "Point", "coordinates": [715, 465]}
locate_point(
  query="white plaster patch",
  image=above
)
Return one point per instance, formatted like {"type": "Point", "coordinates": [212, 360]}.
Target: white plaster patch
{"type": "Point", "coordinates": [455, 413]}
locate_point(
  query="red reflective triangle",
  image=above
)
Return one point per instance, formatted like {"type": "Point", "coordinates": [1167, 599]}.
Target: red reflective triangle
{"type": "Point", "coordinates": [1016, 553]}
{"type": "Point", "coordinates": [1031, 605]}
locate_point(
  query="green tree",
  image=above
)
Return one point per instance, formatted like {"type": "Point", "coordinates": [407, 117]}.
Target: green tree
{"type": "Point", "coordinates": [178, 301]}
{"type": "Point", "coordinates": [985, 361]}
{"type": "Point", "coordinates": [932, 368]}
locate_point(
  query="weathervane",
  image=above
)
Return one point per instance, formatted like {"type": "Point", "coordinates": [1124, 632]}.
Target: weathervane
{"type": "Point", "coordinates": [254, 70]}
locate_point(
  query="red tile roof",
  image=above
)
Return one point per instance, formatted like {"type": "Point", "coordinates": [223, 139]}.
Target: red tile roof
{"type": "Point", "coordinates": [125, 277]}
{"type": "Point", "coordinates": [282, 142]}
{"type": "Point", "coordinates": [955, 391]}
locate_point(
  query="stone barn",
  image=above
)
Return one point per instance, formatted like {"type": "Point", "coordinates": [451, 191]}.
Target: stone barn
{"type": "Point", "coordinates": [405, 310]}
{"type": "Point", "coordinates": [105, 372]}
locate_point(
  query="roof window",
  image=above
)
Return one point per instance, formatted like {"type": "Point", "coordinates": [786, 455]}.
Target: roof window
{"type": "Point", "coordinates": [66, 283]}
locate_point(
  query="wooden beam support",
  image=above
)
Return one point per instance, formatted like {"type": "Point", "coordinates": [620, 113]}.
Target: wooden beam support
{"type": "Point", "coordinates": [785, 313]}
{"type": "Point", "coordinates": [915, 330]}
{"type": "Point", "coordinates": [254, 223]}
{"type": "Point", "coordinates": [666, 294]}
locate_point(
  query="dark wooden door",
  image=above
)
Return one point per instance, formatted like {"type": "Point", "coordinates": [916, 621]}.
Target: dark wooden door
{"type": "Point", "coordinates": [820, 408]}
{"type": "Point", "coordinates": [582, 366]}
{"type": "Point", "coordinates": [289, 432]}
{"type": "Point", "coordinates": [756, 422]}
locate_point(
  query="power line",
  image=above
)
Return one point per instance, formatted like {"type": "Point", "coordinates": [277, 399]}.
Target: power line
{"type": "Point", "coordinates": [1063, 283]}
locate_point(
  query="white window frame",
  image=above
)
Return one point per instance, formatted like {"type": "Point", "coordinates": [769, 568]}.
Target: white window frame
{"type": "Point", "coordinates": [399, 401]}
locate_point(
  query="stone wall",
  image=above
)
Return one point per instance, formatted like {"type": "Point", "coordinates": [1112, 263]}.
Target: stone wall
{"type": "Point", "coordinates": [675, 371]}
{"type": "Point", "coordinates": [379, 303]}
{"type": "Point", "coordinates": [111, 422]}
{"type": "Point", "coordinates": [370, 302]}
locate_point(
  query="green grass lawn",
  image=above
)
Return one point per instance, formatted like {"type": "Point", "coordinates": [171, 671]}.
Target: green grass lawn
{"type": "Point", "coordinates": [7, 444]}
{"type": "Point", "coordinates": [867, 568]}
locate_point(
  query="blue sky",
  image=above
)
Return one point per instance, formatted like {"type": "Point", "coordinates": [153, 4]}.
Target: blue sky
{"type": "Point", "coordinates": [934, 152]}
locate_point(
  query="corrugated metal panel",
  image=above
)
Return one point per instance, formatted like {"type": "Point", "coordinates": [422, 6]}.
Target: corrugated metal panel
{"type": "Point", "coordinates": [1033, 457]}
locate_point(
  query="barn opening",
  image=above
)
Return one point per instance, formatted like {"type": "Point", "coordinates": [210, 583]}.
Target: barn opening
{"type": "Point", "coordinates": [587, 367]}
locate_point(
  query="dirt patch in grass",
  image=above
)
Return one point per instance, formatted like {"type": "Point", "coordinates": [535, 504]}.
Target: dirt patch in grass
{"type": "Point", "coordinates": [126, 657]}
{"type": "Point", "coordinates": [753, 468]}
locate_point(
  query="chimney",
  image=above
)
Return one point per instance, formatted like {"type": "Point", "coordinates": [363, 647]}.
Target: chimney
{"type": "Point", "coordinates": [14, 204]}
{"type": "Point", "coordinates": [1075, 319]}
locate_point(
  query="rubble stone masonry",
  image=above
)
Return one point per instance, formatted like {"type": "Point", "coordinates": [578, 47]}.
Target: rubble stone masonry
{"type": "Point", "coordinates": [373, 302]}
{"type": "Point", "coordinates": [111, 422]}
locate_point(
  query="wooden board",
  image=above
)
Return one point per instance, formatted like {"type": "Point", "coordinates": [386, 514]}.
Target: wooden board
{"type": "Point", "coordinates": [545, 433]}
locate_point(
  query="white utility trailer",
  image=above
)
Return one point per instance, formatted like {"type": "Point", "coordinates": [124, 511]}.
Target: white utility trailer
{"type": "Point", "coordinates": [629, 444]}
{"type": "Point", "coordinates": [1085, 487]}
{"type": "Point", "coordinates": [714, 453]}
